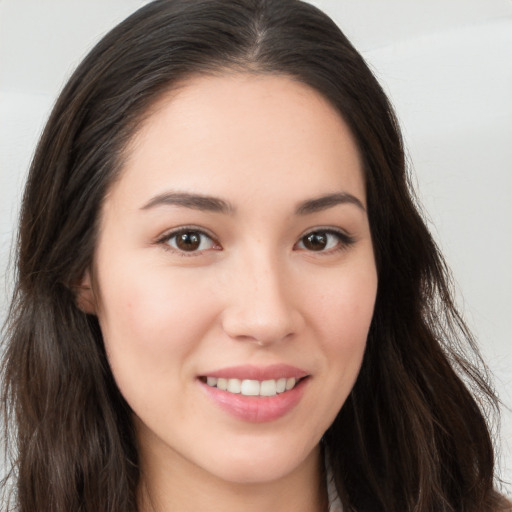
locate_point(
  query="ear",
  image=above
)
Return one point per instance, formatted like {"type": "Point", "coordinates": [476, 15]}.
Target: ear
{"type": "Point", "coordinates": [84, 295]}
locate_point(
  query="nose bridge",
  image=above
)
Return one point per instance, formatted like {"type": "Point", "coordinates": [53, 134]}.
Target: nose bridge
{"type": "Point", "coordinates": [260, 307]}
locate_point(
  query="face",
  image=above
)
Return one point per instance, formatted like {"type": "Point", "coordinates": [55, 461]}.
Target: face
{"type": "Point", "coordinates": [234, 276]}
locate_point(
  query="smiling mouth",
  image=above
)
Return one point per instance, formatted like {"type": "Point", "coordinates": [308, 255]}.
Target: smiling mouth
{"type": "Point", "coordinates": [250, 387]}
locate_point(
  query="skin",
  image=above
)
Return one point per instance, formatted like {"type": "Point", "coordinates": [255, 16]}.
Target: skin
{"type": "Point", "coordinates": [252, 293]}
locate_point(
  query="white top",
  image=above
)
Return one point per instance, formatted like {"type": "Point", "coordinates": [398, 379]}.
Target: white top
{"type": "Point", "coordinates": [332, 493]}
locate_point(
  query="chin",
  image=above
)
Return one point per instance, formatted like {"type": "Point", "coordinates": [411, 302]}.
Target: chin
{"type": "Point", "coordinates": [263, 465]}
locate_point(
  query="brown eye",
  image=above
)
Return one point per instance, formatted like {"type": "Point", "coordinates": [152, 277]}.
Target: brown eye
{"type": "Point", "coordinates": [315, 241]}
{"type": "Point", "coordinates": [190, 241]}
{"type": "Point", "coordinates": [323, 241]}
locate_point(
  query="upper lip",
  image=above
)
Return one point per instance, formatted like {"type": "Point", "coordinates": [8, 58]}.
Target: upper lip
{"type": "Point", "coordinates": [251, 372]}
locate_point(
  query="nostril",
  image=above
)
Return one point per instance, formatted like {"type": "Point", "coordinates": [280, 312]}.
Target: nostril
{"type": "Point", "coordinates": [262, 328]}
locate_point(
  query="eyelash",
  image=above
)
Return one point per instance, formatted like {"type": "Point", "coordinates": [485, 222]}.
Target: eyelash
{"type": "Point", "coordinates": [165, 240]}
{"type": "Point", "coordinates": [344, 241]}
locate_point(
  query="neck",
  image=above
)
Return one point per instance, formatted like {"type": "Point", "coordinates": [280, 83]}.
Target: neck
{"type": "Point", "coordinates": [183, 487]}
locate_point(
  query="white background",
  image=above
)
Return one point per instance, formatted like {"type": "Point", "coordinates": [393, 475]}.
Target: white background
{"type": "Point", "coordinates": [447, 65]}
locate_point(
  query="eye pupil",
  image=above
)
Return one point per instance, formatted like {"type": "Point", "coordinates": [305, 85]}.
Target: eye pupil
{"type": "Point", "coordinates": [188, 241]}
{"type": "Point", "coordinates": [315, 241]}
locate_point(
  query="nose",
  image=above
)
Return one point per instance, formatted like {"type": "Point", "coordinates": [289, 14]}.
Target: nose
{"type": "Point", "coordinates": [261, 306]}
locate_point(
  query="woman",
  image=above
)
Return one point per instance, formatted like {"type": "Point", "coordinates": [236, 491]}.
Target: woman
{"type": "Point", "coordinates": [226, 296]}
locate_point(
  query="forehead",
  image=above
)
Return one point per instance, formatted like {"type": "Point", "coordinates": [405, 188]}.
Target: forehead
{"type": "Point", "coordinates": [246, 130]}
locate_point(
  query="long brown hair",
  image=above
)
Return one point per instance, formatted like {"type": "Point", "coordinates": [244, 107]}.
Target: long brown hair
{"type": "Point", "coordinates": [412, 436]}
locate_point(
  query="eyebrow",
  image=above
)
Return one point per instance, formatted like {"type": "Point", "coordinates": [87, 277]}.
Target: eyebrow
{"type": "Point", "coordinates": [193, 201]}
{"type": "Point", "coordinates": [328, 201]}
{"type": "Point", "coordinates": [217, 205]}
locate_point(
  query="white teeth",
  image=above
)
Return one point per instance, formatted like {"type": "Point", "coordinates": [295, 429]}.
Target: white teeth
{"type": "Point", "coordinates": [211, 381]}
{"type": "Point", "coordinates": [234, 385]}
{"type": "Point", "coordinates": [222, 383]}
{"type": "Point", "coordinates": [268, 388]}
{"type": "Point", "coordinates": [290, 383]}
{"type": "Point", "coordinates": [250, 387]}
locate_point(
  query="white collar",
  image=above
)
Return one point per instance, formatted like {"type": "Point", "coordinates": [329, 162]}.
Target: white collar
{"type": "Point", "coordinates": [332, 494]}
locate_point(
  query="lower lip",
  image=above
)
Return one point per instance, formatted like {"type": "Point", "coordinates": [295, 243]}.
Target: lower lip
{"type": "Point", "coordinates": [256, 409]}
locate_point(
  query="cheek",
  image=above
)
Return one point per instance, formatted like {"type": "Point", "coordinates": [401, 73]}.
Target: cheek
{"type": "Point", "coordinates": [344, 308]}
{"type": "Point", "coordinates": [341, 310]}
{"type": "Point", "coordinates": [344, 313]}
{"type": "Point", "coordinates": [152, 300]}
{"type": "Point", "coordinates": [151, 319]}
